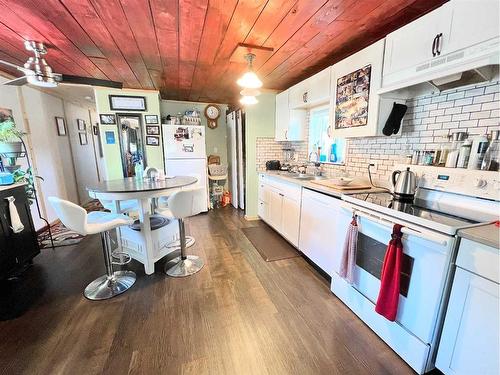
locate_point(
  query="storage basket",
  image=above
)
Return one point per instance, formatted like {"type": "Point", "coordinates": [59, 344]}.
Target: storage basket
{"type": "Point", "coordinates": [217, 170]}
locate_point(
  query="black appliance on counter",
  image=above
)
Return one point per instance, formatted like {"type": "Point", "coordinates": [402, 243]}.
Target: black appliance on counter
{"type": "Point", "coordinates": [273, 165]}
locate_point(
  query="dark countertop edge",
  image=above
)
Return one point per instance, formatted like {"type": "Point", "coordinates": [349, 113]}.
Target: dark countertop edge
{"type": "Point", "coordinates": [89, 189]}
{"type": "Point", "coordinates": [12, 186]}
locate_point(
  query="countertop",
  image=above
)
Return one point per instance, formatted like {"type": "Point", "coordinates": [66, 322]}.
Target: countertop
{"type": "Point", "coordinates": [485, 234]}
{"type": "Point", "coordinates": [8, 187]}
{"type": "Point", "coordinates": [321, 189]}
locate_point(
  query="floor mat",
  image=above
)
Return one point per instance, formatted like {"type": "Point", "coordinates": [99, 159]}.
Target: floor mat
{"type": "Point", "coordinates": [270, 245]}
{"type": "Point", "coordinates": [61, 235]}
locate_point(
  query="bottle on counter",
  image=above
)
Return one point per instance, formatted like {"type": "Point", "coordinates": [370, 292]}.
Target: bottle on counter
{"type": "Point", "coordinates": [457, 140]}
{"type": "Point", "coordinates": [492, 156]}
{"type": "Point", "coordinates": [414, 157]}
{"type": "Point", "coordinates": [464, 154]}
{"type": "Point", "coordinates": [479, 146]}
{"type": "Point", "coordinates": [444, 150]}
{"type": "Point", "coordinates": [429, 158]}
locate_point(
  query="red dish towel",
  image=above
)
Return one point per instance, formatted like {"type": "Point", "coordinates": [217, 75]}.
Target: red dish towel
{"type": "Point", "coordinates": [388, 296]}
{"type": "Point", "coordinates": [348, 260]}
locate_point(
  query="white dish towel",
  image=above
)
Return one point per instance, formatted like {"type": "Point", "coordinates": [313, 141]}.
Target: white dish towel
{"type": "Point", "coordinates": [15, 221]}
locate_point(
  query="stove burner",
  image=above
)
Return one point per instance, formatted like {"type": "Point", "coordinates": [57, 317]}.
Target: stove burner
{"type": "Point", "coordinates": [404, 198]}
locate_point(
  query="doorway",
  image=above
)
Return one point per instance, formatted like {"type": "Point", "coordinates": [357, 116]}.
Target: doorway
{"type": "Point", "coordinates": [131, 142]}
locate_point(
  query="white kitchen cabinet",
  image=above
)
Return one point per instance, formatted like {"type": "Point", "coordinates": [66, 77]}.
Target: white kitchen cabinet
{"type": "Point", "coordinates": [469, 342]}
{"type": "Point", "coordinates": [279, 206]}
{"type": "Point", "coordinates": [460, 35]}
{"type": "Point", "coordinates": [311, 92]}
{"type": "Point", "coordinates": [379, 107]}
{"type": "Point", "coordinates": [290, 124]}
{"type": "Point", "coordinates": [320, 230]}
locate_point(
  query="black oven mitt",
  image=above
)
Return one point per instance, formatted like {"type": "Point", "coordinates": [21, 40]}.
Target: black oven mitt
{"type": "Point", "coordinates": [393, 122]}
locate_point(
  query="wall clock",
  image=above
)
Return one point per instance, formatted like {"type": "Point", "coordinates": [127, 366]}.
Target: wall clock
{"type": "Point", "coordinates": [212, 113]}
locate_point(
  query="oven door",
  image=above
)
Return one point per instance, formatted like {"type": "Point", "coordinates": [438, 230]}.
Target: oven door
{"type": "Point", "coordinates": [426, 264]}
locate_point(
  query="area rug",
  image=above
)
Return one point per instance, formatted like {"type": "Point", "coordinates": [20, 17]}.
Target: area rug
{"type": "Point", "coordinates": [270, 245]}
{"type": "Point", "coordinates": [61, 235]}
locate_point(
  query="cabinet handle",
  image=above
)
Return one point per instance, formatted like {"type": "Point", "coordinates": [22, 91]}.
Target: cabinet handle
{"type": "Point", "coordinates": [304, 97]}
{"type": "Point", "coordinates": [281, 194]}
{"type": "Point", "coordinates": [439, 43]}
{"type": "Point", "coordinates": [434, 43]}
{"type": "Point", "coordinates": [286, 134]}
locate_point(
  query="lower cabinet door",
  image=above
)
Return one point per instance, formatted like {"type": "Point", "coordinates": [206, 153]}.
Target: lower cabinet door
{"type": "Point", "coordinates": [469, 343]}
{"type": "Point", "coordinates": [275, 209]}
{"type": "Point", "coordinates": [290, 220]}
{"type": "Point", "coordinates": [262, 210]}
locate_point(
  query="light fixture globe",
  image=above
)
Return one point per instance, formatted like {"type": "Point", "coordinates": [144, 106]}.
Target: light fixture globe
{"type": "Point", "coordinates": [249, 79]}
{"type": "Point", "coordinates": [250, 92]}
{"type": "Point", "coordinates": [248, 100]}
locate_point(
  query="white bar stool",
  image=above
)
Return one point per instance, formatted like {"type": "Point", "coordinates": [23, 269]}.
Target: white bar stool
{"type": "Point", "coordinates": [163, 210]}
{"type": "Point", "coordinates": [183, 204]}
{"type": "Point", "coordinates": [76, 218]}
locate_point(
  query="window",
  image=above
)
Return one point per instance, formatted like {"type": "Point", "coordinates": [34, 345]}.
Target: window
{"type": "Point", "coordinates": [330, 150]}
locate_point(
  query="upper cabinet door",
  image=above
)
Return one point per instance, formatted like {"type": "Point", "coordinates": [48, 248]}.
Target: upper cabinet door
{"type": "Point", "coordinates": [412, 44]}
{"type": "Point", "coordinates": [471, 22]}
{"type": "Point", "coordinates": [299, 95]}
{"type": "Point", "coordinates": [355, 103]}
{"type": "Point", "coordinates": [319, 88]}
{"type": "Point", "coordinates": [282, 116]}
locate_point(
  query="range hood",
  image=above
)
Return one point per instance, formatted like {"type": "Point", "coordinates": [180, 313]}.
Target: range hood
{"type": "Point", "coordinates": [468, 66]}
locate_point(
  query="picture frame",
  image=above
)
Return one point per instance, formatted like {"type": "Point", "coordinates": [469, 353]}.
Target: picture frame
{"type": "Point", "coordinates": [110, 138]}
{"type": "Point", "coordinates": [83, 139]}
{"type": "Point", "coordinates": [152, 141]}
{"type": "Point", "coordinates": [107, 119]}
{"type": "Point", "coordinates": [127, 103]}
{"type": "Point", "coordinates": [153, 130]}
{"type": "Point", "coordinates": [151, 119]}
{"type": "Point", "coordinates": [61, 126]}
{"type": "Point", "coordinates": [81, 124]}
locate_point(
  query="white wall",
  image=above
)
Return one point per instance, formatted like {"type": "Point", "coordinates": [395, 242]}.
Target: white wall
{"type": "Point", "coordinates": [51, 155]}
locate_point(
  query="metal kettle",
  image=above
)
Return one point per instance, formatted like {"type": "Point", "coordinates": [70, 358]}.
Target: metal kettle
{"type": "Point", "coordinates": [404, 183]}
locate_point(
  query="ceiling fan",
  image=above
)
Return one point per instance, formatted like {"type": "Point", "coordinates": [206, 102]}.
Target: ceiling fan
{"type": "Point", "coordinates": [38, 73]}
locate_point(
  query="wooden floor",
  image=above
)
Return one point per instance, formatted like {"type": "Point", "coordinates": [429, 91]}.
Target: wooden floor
{"type": "Point", "coordinates": [239, 315]}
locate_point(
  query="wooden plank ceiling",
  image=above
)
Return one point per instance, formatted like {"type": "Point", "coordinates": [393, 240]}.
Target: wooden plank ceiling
{"type": "Point", "coordinates": [183, 47]}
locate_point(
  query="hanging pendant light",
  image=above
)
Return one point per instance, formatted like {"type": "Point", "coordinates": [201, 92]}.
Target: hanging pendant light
{"type": "Point", "coordinates": [248, 100]}
{"type": "Point", "coordinates": [250, 92]}
{"type": "Point", "coordinates": [249, 80]}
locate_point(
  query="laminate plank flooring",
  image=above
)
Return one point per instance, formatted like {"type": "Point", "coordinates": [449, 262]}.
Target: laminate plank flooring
{"type": "Point", "coordinates": [239, 315]}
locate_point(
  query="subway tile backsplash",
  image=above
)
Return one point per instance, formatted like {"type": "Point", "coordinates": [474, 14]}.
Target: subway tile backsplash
{"type": "Point", "coordinates": [429, 118]}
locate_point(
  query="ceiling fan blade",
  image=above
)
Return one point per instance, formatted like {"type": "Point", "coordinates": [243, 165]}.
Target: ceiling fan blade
{"type": "Point", "coordinates": [77, 80]}
{"type": "Point", "coordinates": [18, 81]}
{"type": "Point", "coordinates": [20, 68]}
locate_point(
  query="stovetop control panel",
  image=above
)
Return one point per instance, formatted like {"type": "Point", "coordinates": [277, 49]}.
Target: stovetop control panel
{"type": "Point", "coordinates": [483, 184]}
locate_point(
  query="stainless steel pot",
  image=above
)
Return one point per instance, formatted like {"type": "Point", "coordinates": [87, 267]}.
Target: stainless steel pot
{"type": "Point", "coordinates": [404, 184]}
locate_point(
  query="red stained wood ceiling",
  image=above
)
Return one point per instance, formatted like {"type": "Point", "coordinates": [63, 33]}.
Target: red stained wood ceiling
{"type": "Point", "coordinates": [183, 47]}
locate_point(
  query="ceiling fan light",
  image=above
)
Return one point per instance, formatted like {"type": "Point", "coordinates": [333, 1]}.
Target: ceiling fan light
{"type": "Point", "coordinates": [249, 80]}
{"type": "Point", "coordinates": [41, 81]}
{"type": "Point", "coordinates": [250, 92]}
{"type": "Point", "coordinates": [248, 100]}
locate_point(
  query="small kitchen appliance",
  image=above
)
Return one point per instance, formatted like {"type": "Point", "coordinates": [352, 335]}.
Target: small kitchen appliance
{"type": "Point", "coordinates": [404, 184]}
{"type": "Point", "coordinates": [446, 201]}
{"type": "Point", "coordinates": [273, 165]}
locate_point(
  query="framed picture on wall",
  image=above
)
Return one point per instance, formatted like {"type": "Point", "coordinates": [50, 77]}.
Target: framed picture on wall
{"type": "Point", "coordinates": [127, 103]}
{"type": "Point", "coordinates": [81, 124]}
{"type": "Point", "coordinates": [83, 139]}
{"type": "Point", "coordinates": [107, 119]}
{"type": "Point", "coordinates": [61, 126]}
{"type": "Point", "coordinates": [152, 130]}
{"type": "Point", "coordinates": [151, 119]}
{"type": "Point", "coordinates": [152, 141]}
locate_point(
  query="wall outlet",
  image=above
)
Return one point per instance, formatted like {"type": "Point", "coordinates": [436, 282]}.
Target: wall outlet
{"type": "Point", "coordinates": [374, 165]}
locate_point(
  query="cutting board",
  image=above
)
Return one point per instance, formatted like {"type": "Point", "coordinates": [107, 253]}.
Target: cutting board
{"type": "Point", "coordinates": [351, 186]}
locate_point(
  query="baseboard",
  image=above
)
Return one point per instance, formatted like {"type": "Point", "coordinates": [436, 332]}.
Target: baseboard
{"type": "Point", "coordinates": [251, 218]}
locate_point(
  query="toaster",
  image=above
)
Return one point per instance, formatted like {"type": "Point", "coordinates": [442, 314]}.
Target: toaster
{"type": "Point", "coordinates": [273, 165]}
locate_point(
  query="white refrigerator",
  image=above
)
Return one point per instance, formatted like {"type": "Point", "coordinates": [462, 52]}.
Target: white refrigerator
{"type": "Point", "coordinates": [185, 153]}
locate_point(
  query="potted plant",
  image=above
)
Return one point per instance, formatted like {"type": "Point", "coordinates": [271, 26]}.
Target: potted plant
{"type": "Point", "coordinates": [11, 146]}
{"type": "Point", "coordinates": [28, 177]}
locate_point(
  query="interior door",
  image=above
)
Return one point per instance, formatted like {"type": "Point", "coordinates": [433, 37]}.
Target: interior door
{"type": "Point", "coordinates": [240, 136]}
{"type": "Point", "coordinates": [232, 158]}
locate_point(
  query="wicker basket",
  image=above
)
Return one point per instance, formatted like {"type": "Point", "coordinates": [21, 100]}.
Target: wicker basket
{"type": "Point", "coordinates": [217, 170]}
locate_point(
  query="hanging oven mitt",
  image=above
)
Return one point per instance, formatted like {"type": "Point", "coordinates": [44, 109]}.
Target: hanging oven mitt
{"type": "Point", "coordinates": [388, 296]}
{"type": "Point", "coordinates": [348, 260]}
{"type": "Point", "coordinates": [15, 221]}
{"type": "Point", "coordinates": [393, 122]}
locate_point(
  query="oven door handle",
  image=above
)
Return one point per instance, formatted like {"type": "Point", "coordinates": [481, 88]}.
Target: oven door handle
{"type": "Point", "coordinates": [424, 234]}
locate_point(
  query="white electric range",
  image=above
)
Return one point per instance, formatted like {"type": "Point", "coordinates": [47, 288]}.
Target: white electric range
{"type": "Point", "coordinates": [447, 200]}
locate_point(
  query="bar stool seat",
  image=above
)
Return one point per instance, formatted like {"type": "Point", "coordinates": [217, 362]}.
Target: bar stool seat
{"type": "Point", "coordinates": [163, 210]}
{"type": "Point", "coordinates": [77, 219]}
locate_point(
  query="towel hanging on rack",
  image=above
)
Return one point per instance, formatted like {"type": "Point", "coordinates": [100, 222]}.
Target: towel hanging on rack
{"type": "Point", "coordinates": [15, 222]}
{"type": "Point", "coordinates": [388, 296]}
{"type": "Point", "coordinates": [348, 259]}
